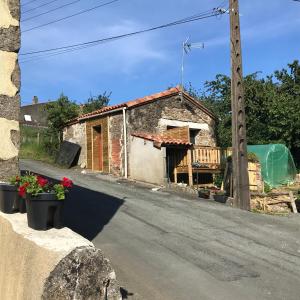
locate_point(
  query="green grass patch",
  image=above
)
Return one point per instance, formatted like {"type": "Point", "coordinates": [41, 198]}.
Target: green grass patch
{"type": "Point", "coordinates": [36, 152]}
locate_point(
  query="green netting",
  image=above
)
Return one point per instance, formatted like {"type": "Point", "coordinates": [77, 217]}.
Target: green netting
{"type": "Point", "coordinates": [277, 164]}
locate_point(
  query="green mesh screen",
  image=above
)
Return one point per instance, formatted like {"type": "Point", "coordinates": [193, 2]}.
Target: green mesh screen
{"type": "Point", "coordinates": [277, 164]}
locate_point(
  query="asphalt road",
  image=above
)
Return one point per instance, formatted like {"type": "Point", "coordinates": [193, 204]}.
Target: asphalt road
{"type": "Point", "coordinates": [165, 246]}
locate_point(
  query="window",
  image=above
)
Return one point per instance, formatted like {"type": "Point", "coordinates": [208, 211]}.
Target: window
{"type": "Point", "coordinates": [193, 135]}
{"type": "Point", "coordinates": [27, 118]}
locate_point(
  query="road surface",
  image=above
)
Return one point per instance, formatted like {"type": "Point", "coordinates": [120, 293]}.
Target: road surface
{"type": "Point", "coordinates": [168, 247]}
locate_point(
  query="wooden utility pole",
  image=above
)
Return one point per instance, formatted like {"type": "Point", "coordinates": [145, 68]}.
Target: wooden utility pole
{"type": "Point", "coordinates": [239, 142]}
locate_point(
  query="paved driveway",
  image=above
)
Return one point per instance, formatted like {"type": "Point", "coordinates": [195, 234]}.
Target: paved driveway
{"type": "Point", "coordinates": [165, 246]}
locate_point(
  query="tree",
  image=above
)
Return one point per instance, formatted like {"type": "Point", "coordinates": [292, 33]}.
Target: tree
{"type": "Point", "coordinates": [59, 112]}
{"type": "Point", "coordinates": [272, 107]}
{"type": "Point", "coordinates": [95, 103]}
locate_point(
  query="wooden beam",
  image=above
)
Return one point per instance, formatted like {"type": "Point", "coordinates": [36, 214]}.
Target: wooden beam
{"type": "Point", "coordinates": [190, 169]}
{"type": "Point", "coordinates": [175, 175]}
{"type": "Point", "coordinates": [293, 204]}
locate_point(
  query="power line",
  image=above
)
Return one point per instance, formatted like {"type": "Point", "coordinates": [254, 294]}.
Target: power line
{"type": "Point", "coordinates": [42, 5]}
{"type": "Point", "coordinates": [28, 2]}
{"type": "Point", "coordinates": [70, 16]}
{"type": "Point", "coordinates": [79, 46]}
{"type": "Point", "coordinates": [51, 10]}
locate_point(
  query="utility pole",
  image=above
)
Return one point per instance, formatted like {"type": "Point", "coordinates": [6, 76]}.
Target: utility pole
{"type": "Point", "coordinates": [241, 192]}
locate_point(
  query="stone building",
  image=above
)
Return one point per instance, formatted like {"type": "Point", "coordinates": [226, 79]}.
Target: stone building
{"type": "Point", "coordinates": [135, 139]}
{"type": "Point", "coordinates": [34, 114]}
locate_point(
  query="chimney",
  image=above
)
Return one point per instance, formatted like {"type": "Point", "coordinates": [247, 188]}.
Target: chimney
{"type": "Point", "coordinates": [35, 100]}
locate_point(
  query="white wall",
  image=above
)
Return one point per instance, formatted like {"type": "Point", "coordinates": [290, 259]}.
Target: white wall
{"type": "Point", "coordinates": [146, 163]}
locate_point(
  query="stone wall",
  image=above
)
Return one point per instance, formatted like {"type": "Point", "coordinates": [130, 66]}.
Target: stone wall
{"type": "Point", "coordinates": [76, 133]}
{"type": "Point", "coordinates": [156, 116]}
{"type": "Point", "coordinates": [116, 142]}
{"type": "Point", "coordinates": [52, 264]}
{"type": "Point", "coordinates": [9, 87]}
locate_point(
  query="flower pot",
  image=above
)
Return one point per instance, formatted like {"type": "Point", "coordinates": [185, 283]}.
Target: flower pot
{"type": "Point", "coordinates": [8, 198]}
{"type": "Point", "coordinates": [21, 205]}
{"type": "Point", "coordinates": [44, 211]}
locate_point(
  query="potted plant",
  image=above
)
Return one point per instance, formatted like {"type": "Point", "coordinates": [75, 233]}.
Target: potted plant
{"type": "Point", "coordinates": [44, 201]}
{"type": "Point", "coordinates": [17, 181]}
{"type": "Point", "coordinates": [8, 198]}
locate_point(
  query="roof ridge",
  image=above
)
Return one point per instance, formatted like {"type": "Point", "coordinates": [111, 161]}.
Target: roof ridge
{"type": "Point", "coordinates": [132, 103]}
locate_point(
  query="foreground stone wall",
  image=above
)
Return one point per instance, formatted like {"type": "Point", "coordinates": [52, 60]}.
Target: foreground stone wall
{"type": "Point", "coordinates": [9, 87]}
{"type": "Point", "coordinates": [53, 264]}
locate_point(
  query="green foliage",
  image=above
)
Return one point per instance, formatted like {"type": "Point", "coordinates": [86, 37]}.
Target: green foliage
{"type": "Point", "coordinates": [267, 188]}
{"type": "Point", "coordinates": [95, 103]}
{"type": "Point", "coordinates": [33, 184]}
{"type": "Point", "coordinates": [59, 112]}
{"type": "Point", "coordinates": [252, 157]}
{"type": "Point", "coordinates": [35, 144]}
{"type": "Point", "coordinates": [59, 191]}
{"type": "Point", "coordinates": [35, 151]}
{"type": "Point", "coordinates": [218, 179]}
{"type": "Point", "coordinates": [272, 108]}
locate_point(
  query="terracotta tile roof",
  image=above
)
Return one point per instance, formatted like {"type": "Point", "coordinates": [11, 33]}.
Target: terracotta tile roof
{"type": "Point", "coordinates": [161, 140]}
{"type": "Point", "coordinates": [141, 101]}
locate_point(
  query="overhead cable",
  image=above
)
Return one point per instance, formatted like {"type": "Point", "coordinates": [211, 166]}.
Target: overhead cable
{"type": "Point", "coordinates": [28, 2]}
{"type": "Point", "coordinates": [50, 11]}
{"type": "Point", "coordinates": [37, 7]}
{"type": "Point", "coordinates": [71, 16]}
{"type": "Point", "coordinates": [79, 46]}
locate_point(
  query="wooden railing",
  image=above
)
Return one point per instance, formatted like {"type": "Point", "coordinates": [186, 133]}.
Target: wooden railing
{"type": "Point", "coordinates": [202, 157]}
{"type": "Point", "coordinates": [209, 157]}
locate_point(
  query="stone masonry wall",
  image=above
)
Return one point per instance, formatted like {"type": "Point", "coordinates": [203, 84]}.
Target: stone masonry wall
{"type": "Point", "coordinates": [76, 133]}
{"type": "Point", "coordinates": [116, 143]}
{"type": "Point", "coordinates": [9, 87]}
{"type": "Point", "coordinates": [175, 109]}
{"type": "Point", "coordinates": [147, 118]}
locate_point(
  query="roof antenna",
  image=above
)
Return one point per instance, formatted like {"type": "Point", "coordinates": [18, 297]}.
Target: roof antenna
{"type": "Point", "coordinates": [186, 48]}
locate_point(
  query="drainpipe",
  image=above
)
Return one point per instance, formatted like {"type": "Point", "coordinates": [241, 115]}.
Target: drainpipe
{"type": "Point", "coordinates": [125, 142]}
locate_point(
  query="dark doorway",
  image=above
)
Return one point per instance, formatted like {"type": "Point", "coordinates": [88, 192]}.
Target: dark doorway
{"type": "Point", "coordinates": [97, 148]}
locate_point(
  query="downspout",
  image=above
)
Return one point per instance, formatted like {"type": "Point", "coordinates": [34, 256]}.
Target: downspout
{"type": "Point", "coordinates": [125, 143]}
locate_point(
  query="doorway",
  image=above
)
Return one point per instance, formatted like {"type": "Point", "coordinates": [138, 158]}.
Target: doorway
{"type": "Point", "coordinates": [97, 148]}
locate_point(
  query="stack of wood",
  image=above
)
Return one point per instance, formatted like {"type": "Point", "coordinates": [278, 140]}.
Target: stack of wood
{"type": "Point", "coordinates": [282, 202]}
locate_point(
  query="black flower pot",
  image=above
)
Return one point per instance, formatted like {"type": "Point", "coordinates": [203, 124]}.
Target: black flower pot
{"type": "Point", "coordinates": [8, 198]}
{"type": "Point", "coordinates": [44, 211]}
{"type": "Point", "coordinates": [21, 205]}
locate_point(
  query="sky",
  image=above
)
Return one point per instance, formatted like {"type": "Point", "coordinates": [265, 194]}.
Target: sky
{"type": "Point", "coordinates": [144, 64]}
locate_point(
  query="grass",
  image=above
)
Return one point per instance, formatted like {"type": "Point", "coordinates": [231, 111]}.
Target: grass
{"type": "Point", "coordinates": [36, 152]}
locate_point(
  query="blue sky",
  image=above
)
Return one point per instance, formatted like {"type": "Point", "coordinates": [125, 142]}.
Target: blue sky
{"type": "Point", "coordinates": [151, 62]}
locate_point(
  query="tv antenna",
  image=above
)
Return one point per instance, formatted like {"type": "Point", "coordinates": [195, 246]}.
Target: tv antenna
{"type": "Point", "coordinates": [187, 47]}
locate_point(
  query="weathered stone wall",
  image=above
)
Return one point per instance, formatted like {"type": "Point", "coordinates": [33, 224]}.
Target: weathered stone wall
{"type": "Point", "coordinates": [116, 143]}
{"type": "Point", "coordinates": [76, 133]}
{"type": "Point", "coordinates": [156, 116]}
{"type": "Point", "coordinates": [52, 264]}
{"type": "Point", "coordinates": [9, 87]}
